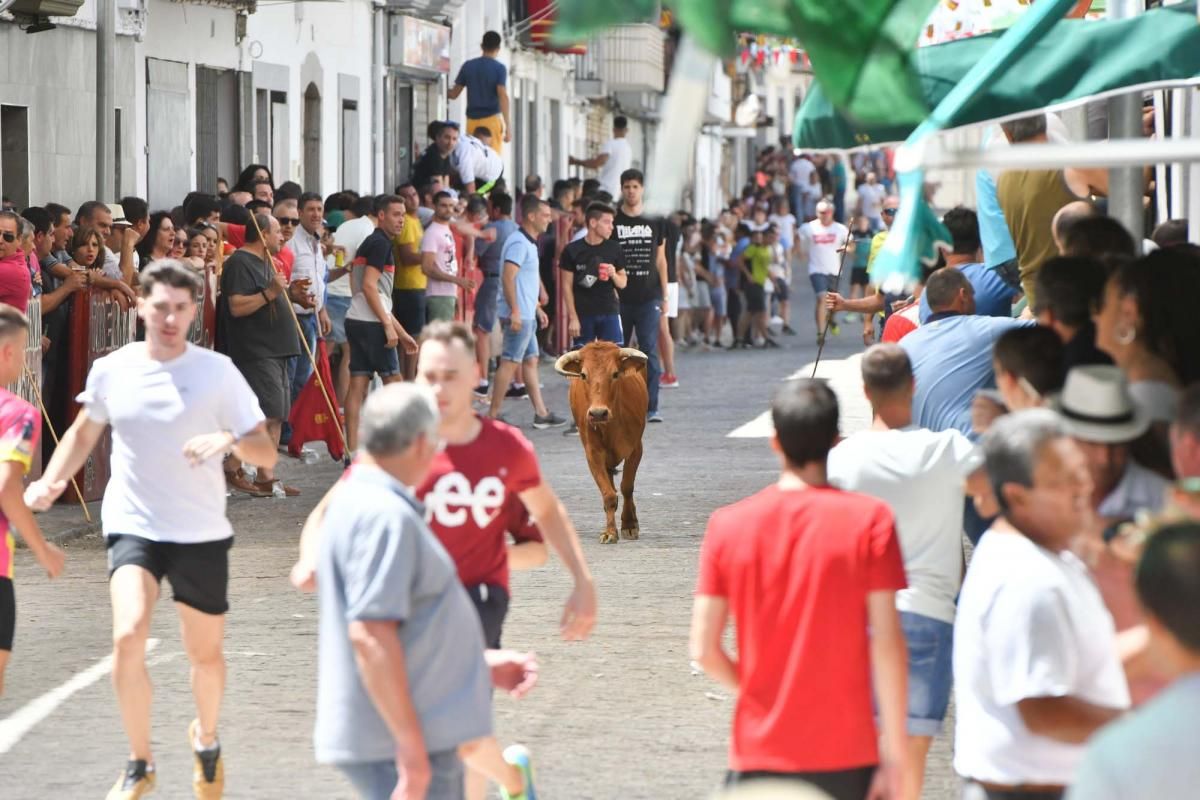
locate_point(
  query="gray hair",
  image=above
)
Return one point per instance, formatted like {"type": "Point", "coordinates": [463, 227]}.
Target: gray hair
{"type": "Point", "coordinates": [394, 417]}
{"type": "Point", "coordinates": [1012, 445]}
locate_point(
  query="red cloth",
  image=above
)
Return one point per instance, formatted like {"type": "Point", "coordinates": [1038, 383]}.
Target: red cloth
{"type": "Point", "coordinates": [16, 286]}
{"type": "Point", "coordinates": [796, 568]}
{"type": "Point", "coordinates": [901, 323]}
{"type": "Point", "coordinates": [310, 418]}
{"type": "Point", "coordinates": [465, 495]}
{"type": "Point", "coordinates": [235, 237]}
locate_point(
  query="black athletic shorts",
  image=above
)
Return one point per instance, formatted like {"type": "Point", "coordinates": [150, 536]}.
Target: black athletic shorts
{"type": "Point", "coordinates": [8, 613]}
{"type": "Point", "coordinates": [756, 298]}
{"type": "Point", "coordinates": [369, 353]}
{"type": "Point", "coordinates": [859, 277]}
{"type": "Point", "coordinates": [491, 602]}
{"type": "Point", "coordinates": [199, 573]}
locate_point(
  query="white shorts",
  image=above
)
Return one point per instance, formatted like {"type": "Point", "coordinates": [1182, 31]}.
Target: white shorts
{"type": "Point", "coordinates": [672, 300]}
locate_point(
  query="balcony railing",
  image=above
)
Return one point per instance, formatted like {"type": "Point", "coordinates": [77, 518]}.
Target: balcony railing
{"type": "Point", "coordinates": [629, 58]}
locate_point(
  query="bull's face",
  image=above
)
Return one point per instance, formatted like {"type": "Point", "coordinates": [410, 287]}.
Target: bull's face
{"type": "Point", "coordinates": [600, 366]}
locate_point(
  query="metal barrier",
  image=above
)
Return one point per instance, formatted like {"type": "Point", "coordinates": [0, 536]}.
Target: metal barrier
{"type": "Point", "coordinates": [204, 326]}
{"type": "Point", "coordinates": [97, 327]}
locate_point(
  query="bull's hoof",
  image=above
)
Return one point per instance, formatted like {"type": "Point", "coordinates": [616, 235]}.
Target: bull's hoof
{"type": "Point", "coordinates": [608, 537]}
{"type": "Point", "coordinates": [629, 533]}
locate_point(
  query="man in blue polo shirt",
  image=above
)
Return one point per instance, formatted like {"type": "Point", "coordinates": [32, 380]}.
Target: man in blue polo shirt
{"type": "Point", "coordinates": [484, 78]}
{"type": "Point", "coordinates": [951, 353]}
{"type": "Point", "coordinates": [518, 310]}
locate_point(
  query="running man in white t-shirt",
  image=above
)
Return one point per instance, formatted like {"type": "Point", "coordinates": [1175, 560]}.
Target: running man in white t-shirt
{"type": "Point", "coordinates": [823, 244]}
{"type": "Point", "coordinates": [922, 476]}
{"type": "Point", "coordinates": [175, 409]}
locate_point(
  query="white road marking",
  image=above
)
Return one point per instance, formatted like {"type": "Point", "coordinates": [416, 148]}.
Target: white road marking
{"type": "Point", "coordinates": [844, 378]}
{"type": "Point", "coordinates": [14, 727]}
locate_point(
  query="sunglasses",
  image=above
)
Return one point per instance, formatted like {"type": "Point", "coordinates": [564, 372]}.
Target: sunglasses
{"type": "Point", "coordinates": [8, 237]}
{"type": "Point", "coordinates": [289, 221]}
{"type": "Point", "coordinates": [891, 212]}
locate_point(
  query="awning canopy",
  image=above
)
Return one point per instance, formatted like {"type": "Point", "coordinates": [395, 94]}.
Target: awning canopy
{"type": "Point", "coordinates": [1077, 61]}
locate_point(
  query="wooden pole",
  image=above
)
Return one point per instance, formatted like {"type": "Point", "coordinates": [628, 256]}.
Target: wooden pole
{"type": "Point", "coordinates": [37, 393]}
{"type": "Point", "coordinates": [308, 351]}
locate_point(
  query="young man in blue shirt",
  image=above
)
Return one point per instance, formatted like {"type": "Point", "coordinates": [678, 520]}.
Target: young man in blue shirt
{"type": "Point", "coordinates": [485, 79]}
{"type": "Point", "coordinates": [518, 310]}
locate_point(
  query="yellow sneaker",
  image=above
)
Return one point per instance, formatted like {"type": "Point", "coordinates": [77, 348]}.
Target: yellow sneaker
{"type": "Point", "coordinates": [208, 772]}
{"type": "Point", "coordinates": [136, 781]}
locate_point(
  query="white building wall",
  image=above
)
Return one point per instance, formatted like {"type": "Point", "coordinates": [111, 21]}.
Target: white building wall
{"type": "Point", "coordinates": [316, 42]}
{"type": "Point", "coordinates": [193, 34]}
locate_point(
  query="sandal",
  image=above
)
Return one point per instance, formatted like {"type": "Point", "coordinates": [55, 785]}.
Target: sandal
{"type": "Point", "coordinates": [238, 480]}
{"type": "Point", "coordinates": [269, 488]}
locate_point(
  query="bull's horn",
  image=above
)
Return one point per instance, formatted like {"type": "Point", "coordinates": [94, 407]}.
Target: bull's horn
{"type": "Point", "coordinates": [566, 360]}
{"type": "Point", "coordinates": [634, 353]}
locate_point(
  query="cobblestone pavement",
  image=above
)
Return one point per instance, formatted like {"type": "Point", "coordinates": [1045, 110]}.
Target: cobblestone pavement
{"type": "Point", "coordinates": [620, 715]}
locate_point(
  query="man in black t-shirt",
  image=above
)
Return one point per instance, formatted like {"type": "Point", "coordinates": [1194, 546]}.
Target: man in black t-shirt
{"type": "Point", "coordinates": [597, 269]}
{"type": "Point", "coordinates": [260, 336]}
{"type": "Point", "coordinates": [645, 294]}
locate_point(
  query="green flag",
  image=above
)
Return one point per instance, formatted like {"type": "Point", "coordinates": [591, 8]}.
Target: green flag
{"type": "Point", "coordinates": [860, 50]}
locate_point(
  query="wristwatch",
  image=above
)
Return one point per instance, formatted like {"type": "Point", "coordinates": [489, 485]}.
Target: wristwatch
{"type": "Point", "coordinates": [265, 298]}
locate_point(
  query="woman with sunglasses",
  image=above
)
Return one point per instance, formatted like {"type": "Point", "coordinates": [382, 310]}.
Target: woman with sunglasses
{"type": "Point", "coordinates": [196, 250]}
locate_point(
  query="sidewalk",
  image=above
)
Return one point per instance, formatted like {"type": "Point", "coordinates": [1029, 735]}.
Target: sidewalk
{"type": "Point", "coordinates": [65, 521]}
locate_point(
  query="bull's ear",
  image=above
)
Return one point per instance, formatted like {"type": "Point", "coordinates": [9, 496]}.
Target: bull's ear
{"type": "Point", "coordinates": [569, 364]}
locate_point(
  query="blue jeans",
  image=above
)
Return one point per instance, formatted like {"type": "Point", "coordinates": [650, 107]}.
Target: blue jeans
{"type": "Point", "coordinates": [643, 319]}
{"type": "Point", "coordinates": [930, 645]}
{"type": "Point", "coordinates": [299, 367]}
{"type": "Point", "coordinates": [376, 780]}
{"type": "Point", "coordinates": [600, 327]}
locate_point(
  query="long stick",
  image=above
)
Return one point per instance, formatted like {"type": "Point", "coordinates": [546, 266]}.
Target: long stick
{"type": "Point", "coordinates": [838, 284]}
{"type": "Point", "coordinates": [308, 351]}
{"type": "Point", "coordinates": [37, 393]}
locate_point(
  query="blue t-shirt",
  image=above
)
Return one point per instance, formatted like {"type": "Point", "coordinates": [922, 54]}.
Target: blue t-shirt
{"type": "Point", "coordinates": [733, 275]}
{"type": "Point", "coordinates": [952, 360]}
{"type": "Point", "coordinates": [481, 76]}
{"type": "Point", "coordinates": [993, 297]}
{"type": "Point", "coordinates": [489, 257]}
{"type": "Point", "coordinates": [997, 241]}
{"type": "Point", "coordinates": [519, 249]}
{"type": "Point", "coordinates": [380, 562]}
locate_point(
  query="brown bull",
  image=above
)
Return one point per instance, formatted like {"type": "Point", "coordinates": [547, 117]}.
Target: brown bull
{"type": "Point", "coordinates": [609, 401]}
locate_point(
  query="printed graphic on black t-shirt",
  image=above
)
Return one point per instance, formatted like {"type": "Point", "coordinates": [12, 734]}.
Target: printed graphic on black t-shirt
{"type": "Point", "coordinates": [639, 238]}
{"type": "Point", "coordinates": [593, 296]}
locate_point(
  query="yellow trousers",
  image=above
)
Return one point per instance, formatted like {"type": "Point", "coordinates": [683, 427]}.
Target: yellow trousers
{"type": "Point", "coordinates": [495, 124]}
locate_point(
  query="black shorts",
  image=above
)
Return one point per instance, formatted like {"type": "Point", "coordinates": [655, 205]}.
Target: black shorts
{"type": "Point", "coordinates": [846, 784]}
{"type": "Point", "coordinates": [491, 601]}
{"type": "Point", "coordinates": [859, 277]}
{"type": "Point", "coordinates": [268, 379]}
{"type": "Point", "coordinates": [408, 306]}
{"type": "Point", "coordinates": [756, 298]}
{"type": "Point", "coordinates": [369, 353]}
{"type": "Point", "coordinates": [199, 573]}
{"type": "Point", "coordinates": [8, 613]}
{"type": "Point", "coordinates": [782, 290]}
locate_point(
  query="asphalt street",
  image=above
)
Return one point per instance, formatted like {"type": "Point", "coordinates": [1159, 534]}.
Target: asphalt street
{"type": "Point", "coordinates": [621, 715]}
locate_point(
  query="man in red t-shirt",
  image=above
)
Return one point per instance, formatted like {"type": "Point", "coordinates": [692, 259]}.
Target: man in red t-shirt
{"type": "Point", "coordinates": [484, 463]}
{"type": "Point", "coordinates": [809, 574]}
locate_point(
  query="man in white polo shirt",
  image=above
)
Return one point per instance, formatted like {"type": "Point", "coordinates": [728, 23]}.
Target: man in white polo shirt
{"type": "Point", "coordinates": [1035, 657]}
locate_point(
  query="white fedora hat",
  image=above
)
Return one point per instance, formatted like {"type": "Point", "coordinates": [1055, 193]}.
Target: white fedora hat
{"type": "Point", "coordinates": [1096, 406]}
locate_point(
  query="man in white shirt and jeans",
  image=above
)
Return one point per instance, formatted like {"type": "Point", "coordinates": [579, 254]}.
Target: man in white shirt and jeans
{"type": "Point", "coordinates": [921, 475]}
{"type": "Point", "coordinates": [615, 157]}
{"type": "Point", "coordinates": [175, 409]}
{"type": "Point", "coordinates": [1036, 668]}
{"type": "Point", "coordinates": [310, 266]}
